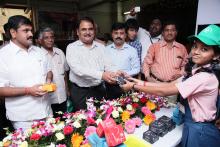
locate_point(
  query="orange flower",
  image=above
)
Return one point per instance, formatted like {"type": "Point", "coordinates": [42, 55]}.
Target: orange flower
{"type": "Point", "coordinates": [76, 140]}
{"type": "Point", "coordinates": [7, 143]}
{"type": "Point", "coordinates": [151, 105]}
{"type": "Point", "coordinates": [149, 118]}
{"type": "Point", "coordinates": [125, 116]}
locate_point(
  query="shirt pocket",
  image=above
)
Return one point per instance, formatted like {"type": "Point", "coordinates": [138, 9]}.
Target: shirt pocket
{"type": "Point", "coordinates": [178, 61]}
{"type": "Point", "coordinates": [60, 67]}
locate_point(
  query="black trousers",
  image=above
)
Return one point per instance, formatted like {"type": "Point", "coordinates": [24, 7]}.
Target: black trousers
{"type": "Point", "coordinates": [58, 107]}
{"type": "Point", "coordinates": [113, 91]}
{"type": "Point", "coordinates": [4, 122]}
{"type": "Point", "coordinates": [80, 94]}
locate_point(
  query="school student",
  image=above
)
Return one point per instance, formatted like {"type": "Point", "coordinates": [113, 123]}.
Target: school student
{"type": "Point", "coordinates": [198, 90]}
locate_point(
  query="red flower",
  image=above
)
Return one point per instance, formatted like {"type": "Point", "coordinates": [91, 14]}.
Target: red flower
{"type": "Point", "coordinates": [90, 120]}
{"type": "Point", "coordinates": [67, 130]}
{"type": "Point", "coordinates": [35, 137]}
{"type": "Point", "coordinates": [135, 105]}
{"type": "Point", "coordinates": [143, 100]}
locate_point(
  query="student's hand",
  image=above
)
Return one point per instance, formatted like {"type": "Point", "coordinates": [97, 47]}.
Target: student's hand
{"type": "Point", "coordinates": [109, 77]}
{"type": "Point", "coordinates": [127, 86]}
{"type": "Point", "coordinates": [36, 91]}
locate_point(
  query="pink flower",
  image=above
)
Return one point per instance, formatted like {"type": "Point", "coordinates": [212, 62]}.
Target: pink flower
{"type": "Point", "coordinates": [137, 121]}
{"type": "Point", "coordinates": [67, 130]}
{"type": "Point", "coordinates": [130, 126]}
{"type": "Point", "coordinates": [145, 110]}
{"type": "Point", "coordinates": [89, 130]}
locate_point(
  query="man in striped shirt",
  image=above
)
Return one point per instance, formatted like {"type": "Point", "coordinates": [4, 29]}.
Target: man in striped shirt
{"type": "Point", "coordinates": [165, 59]}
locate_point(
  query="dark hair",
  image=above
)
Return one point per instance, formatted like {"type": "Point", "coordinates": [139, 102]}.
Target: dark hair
{"type": "Point", "coordinates": [131, 23]}
{"type": "Point", "coordinates": [169, 22]}
{"type": "Point", "coordinates": [88, 19]}
{"type": "Point", "coordinates": [118, 26]}
{"type": "Point", "coordinates": [7, 33]}
{"type": "Point", "coordinates": [14, 22]}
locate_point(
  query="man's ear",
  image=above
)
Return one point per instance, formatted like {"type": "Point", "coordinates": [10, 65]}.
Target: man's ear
{"type": "Point", "coordinates": [77, 32]}
{"type": "Point", "coordinates": [13, 33]}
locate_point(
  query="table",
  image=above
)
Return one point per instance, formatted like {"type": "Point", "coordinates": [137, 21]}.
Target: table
{"type": "Point", "coordinates": [171, 139]}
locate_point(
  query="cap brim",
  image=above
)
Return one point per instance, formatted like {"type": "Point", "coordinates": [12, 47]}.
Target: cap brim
{"type": "Point", "coordinates": [201, 38]}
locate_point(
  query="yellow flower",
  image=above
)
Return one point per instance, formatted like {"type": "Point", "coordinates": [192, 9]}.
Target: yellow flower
{"type": "Point", "coordinates": [24, 144]}
{"type": "Point", "coordinates": [149, 118]}
{"type": "Point", "coordinates": [151, 105]}
{"type": "Point", "coordinates": [125, 116]}
{"type": "Point", "coordinates": [86, 145]}
{"type": "Point", "coordinates": [76, 140]}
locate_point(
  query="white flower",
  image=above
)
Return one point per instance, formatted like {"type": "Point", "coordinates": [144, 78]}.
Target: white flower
{"type": "Point", "coordinates": [115, 114]}
{"type": "Point", "coordinates": [1, 144]}
{"type": "Point", "coordinates": [81, 116]}
{"type": "Point", "coordinates": [59, 136]}
{"type": "Point", "coordinates": [51, 145]}
{"type": "Point", "coordinates": [76, 124]}
{"type": "Point", "coordinates": [24, 144]}
{"type": "Point", "coordinates": [120, 109]}
{"type": "Point", "coordinates": [129, 107]}
{"type": "Point", "coordinates": [98, 121]}
{"type": "Point", "coordinates": [51, 120]}
{"type": "Point", "coordinates": [135, 99]}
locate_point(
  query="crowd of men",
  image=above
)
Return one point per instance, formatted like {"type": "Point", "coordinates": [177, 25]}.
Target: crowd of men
{"type": "Point", "coordinates": [93, 67]}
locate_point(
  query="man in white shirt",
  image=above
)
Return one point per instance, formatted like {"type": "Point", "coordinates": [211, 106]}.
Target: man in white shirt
{"type": "Point", "coordinates": [89, 66]}
{"type": "Point", "coordinates": [59, 68]}
{"type": "Point", "coordinates": [24, 68]}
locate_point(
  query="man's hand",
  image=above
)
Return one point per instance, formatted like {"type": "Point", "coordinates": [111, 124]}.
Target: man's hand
{"type": "Point", "coordinates": [36, 91]}
{"type": "Point", "coordinates": [122, 73]}
{"type": "Point", "coordinates": [109, 77]}
{"type": "Point", "coordinates": [217, 123]}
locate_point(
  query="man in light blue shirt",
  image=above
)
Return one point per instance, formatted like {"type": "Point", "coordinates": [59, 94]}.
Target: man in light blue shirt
{"type": "Point", "coordinates": [123, 56]}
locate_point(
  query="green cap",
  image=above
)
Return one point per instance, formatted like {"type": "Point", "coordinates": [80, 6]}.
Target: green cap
{"type": "Point", "coordinates": [209, 36]}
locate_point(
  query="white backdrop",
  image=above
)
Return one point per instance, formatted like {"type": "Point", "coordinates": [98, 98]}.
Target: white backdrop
{"type": "Point", "coordinates": [208, 12]}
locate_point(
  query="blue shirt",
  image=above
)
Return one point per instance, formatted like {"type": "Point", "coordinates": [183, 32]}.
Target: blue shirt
{"type": "Point", "coordinates": [137, 45]}
{"type": "Point", "coordinates": [124, 59]}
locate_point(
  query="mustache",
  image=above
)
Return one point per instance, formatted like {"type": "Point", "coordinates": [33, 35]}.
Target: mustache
{"type": "Point", "coordinates": [30, 38]}
{"type": "Point", "coordinates": [118, 38]}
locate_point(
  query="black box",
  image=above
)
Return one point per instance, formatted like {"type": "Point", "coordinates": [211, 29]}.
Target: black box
{"type": "Point", "coordinates": [150, 136]}
{"type": "Point", "coordinates": [159, 128]}
{"type": "Point", "coordinates": [170, 125]}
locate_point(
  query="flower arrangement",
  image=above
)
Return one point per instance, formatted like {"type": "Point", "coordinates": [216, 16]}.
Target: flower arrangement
{"type": "Point", "coordinates": [73, 129]}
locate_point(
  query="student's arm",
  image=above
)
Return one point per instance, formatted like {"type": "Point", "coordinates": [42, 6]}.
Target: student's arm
{"type": "Point", "coordinates": [160, 89]}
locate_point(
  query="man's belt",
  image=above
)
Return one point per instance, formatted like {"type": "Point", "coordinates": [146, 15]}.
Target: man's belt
{"type": "Point", "coordinates": [91, 87]}
{"type": "Point", "coordinates": [158, 79]}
